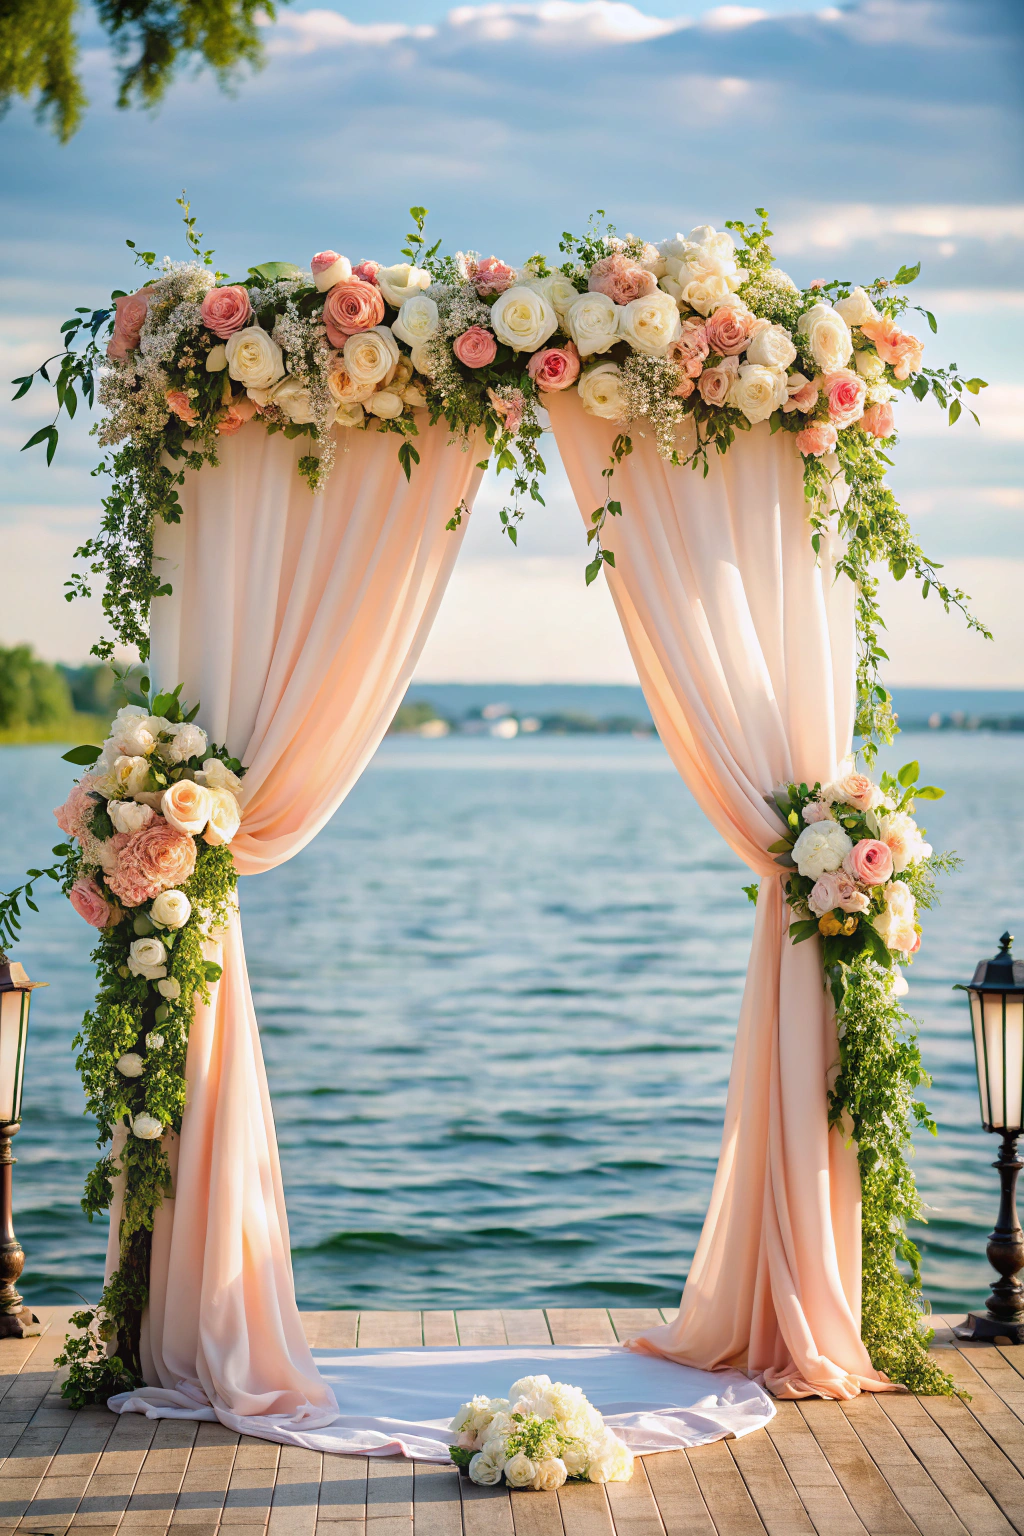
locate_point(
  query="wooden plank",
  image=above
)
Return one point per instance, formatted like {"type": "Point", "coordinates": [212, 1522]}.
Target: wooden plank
{"type": "Point", "coordinates": [725, 1493]}
{"type": "Point", "coordinates": [580, 1325]}
{"type": "Point", "coordinates": [250, 1490]}
{"type": "Point", "coordinates": [485, 1511]}
{"type": "Point", "coordinates": [526, 1327]}
{"type": "Point", "coordinates": [909, 1480]}
{"type": "Point", "coordinates": [985, 1405]}
{"type": "Point", "coordinates": [629, 1321]}
{"type": "Point", "coordinates": [584, 1507]}
{"type": "Point", "coordinates": [948, 1470]}
{"type": "Point", "coordinates": [205, 1484]}
{"type": "Point", "coordinates": [390, 1330]}
{"type": "Point", "coordinates": [389, 1488]}
{"type": "Point", "coordinates": [439, 1329]}
{"type": "Point", "coordinates": [770, 1486]}
{"type": "Point", "coordinates": [633, 1507]}
{"type": "Point", "coordinates": [163, 1471]}
{"type": "Point", "coordinates": [480, 1328]}
{"type": "Point", "coordinates": [812, 1477]}
{"type": "Point", "coordinates": [879, 1509]}
{"type": "Point", "coordinates": [988, 1462]}
{"type": "Point", "coordinates": [680, 1501]}
{"type": "Point", "coordinates": [537, 1514]}
{"type": "Point", "coordinates": [343, 1489]}
{"type": "Point", "coordinates": [437, 1498]}
{"type": "Point", "coordinates": [337, 1330]}
{"type": "Point", "coordinates": [293, 1509]}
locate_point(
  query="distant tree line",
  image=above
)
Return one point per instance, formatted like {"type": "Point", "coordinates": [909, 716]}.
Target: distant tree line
{"type": "Point", "coordinates": [40, 700]}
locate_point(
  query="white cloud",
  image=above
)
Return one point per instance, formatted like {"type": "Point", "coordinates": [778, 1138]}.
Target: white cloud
{"type": "Point", "coordinates": [837, 226]}
{"type": "Point", "coordinates": [304, 31]}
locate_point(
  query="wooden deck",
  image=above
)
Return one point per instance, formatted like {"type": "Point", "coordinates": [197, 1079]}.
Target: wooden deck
{"type": "Point", "coordinates": [878, 1466]}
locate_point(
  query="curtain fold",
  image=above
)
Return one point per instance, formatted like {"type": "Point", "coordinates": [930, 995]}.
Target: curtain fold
{"type": "Point", "coordinates": [744, 646]}
{"type": "Point", "coordinates": [296, 621]}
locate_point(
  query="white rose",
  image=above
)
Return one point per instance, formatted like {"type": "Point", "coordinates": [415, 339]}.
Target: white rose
{"type": "Point", "coordinates": [820, 847]}
{"type": "Point", "coordinates": [600, 389]}
{"type": "Point", "coordinates": [132, 738]}
{"type": "Point", "coordinates": [652, 260]}
{"type": "Point", "coordinates": [857, 308]}
{"type": "Point", "coordinates": [487, 1465]}
{"type": "Point", "coordinates": [148, 958]}
{"type": "Point", "coordinates": [339, 271]}
{"type": "Point", "coordinates": [592, 320]}
{"type": "Point", "coordinates": [130, 774]}
{"type": "Point", "coordinates": [650, 324]}
{"type": "Point", "coordinates": [293, 399]}
{"type": "Point", "coordinates": [757, 391]}
{"type": "Point", "coordinates": [132, 712]}
{"type": "Point", "coordinates": [216, 776]}
{"type": "Point", "coordinates": [829, 337]}
{"type": "Point", "coordinates": [574, 1459]}
{"type": "Point", "coordinates": [171, 909]}
{"type": "Point", "coordinates": [254, 358]}
{"type": "Point", "coordinates": [869, 365]}
{"type": "Point", "coordinates": [349, 415]}
{"type": "Point", "coordinates": [551, 1474]}
{"type": "Point", "coordinates": [371, 357]}
{"type": "Point", "coordinates": [188, 741]}
{"type": "Point", "coordinates": [523, 319]}
{"type": "Point", "coordinates": [417, 320]}
{"type": "Point", "coordinates": [129, 815]}
{"type": "Point", "coordinates": [154, 1040]}
{"type": "Point", "coordinates": [225, 817]}
{"type": "Point", "coordinates": [147, 1127]}
{"type": "Point", "coordinates": [386, 403]}
{"type": "Point", "coordinates": [520, 1471]}
{"type": "Point", "coordinates": [703, 293]}
{"type": "Point", "coordinates": [401, 281]}
{"type": "Point", "coordinates": [528, 1386]}
{"type": "Point", "coordinates": [413, 395]}
{"type": "Point", "coordinates": [559, 290]}
{"type": "Point", "coordinates": [772, 346]}
{"type": "Point", "coordinates": [159, 725]}
{"type": "Point", "coordinates": [131, 1065]}
{"type": "Point", "coordinates": [217, 359]}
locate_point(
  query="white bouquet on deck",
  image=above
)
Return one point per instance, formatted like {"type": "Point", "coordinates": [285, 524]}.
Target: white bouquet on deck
{"type": "Point", "coordinates": [543, 1434]}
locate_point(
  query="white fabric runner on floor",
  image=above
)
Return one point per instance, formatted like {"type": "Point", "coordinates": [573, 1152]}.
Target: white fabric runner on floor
{"type": "Point", "coordinates": [399, 1402]}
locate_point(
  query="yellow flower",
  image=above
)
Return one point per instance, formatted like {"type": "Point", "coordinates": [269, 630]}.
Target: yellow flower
{"type": "Point", "coordinates": [850, 924]}
{"type": "Point", "coordinates": [829, 925]}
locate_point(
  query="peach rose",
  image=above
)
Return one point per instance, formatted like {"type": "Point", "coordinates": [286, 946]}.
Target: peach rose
{"type": "Point", "coordinates": [844, 393]}
{"type": "Point", "coordinates": [367, 270]}
{"type": "Point", "coordinates": [89, 902]}
{"type": "Point", "coordinates": [187, 806]}
{"type": "Point", "coordinates": [728, 330]}
{"type": "Point", "coordinates": [869, 861]}
{"type": "Point", "coordinates": [476, 348]}
{"type": "Point", "coordinates": [803, 394]}
{"type": "Point", "coordinates": [691, 349]}
{"type": "Point", "coordinates": [899, 348]}
{"type": "Point", "coordinates": [153, 860]}
{"type": "Point", "coordinates": [715, 383]}
{"type": "Point", "coordinates": [226, 310]}
{"type": "Point", "coordinates": [554, 368]}
{"type": "Point", "coordinates": [686, 386]}
{"type": "Point", "coordinates": [878, 419]}
{"type": "Point", "coordinates": [129, 318]}
{"type": "Point", "coordinates": [491, 276]}
{"type": "Point", "coordinates": [857, 790]}
{"type": "Point", "coordinates": [236, 414]}
{"type": "Point", "coordinates": [181, 406]}
{"type": "Point", "coordinates": [352, 307]}
{"type": "Point", "coordinates": [510, 411]}
{"type": "Point", "coordinates": [818, 438]}
{"type": "Point", "coordinates": [621, 279]}
{"type": "Point", "coordinates": [74, 815]}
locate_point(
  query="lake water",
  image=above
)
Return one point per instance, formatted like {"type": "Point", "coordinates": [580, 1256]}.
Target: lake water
{"type": "Point", "coordinates": [497, 998]}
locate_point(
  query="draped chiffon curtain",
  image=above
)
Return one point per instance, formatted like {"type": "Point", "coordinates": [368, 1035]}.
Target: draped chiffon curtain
{"type": "Point", "coordinates": [744, 644]}
{"type": "Point", "coordinates": [296, 620]}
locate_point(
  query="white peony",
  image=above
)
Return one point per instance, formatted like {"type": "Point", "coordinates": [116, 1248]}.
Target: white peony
{"type": "Point", "coordinates": [869, 365]}
{"type": "Point", "coordinates": [820, 847]}
{"type": "Point", "coordinates": [592, 320]}
{"type": "Point", "coordinates": [551, 1474]}
{"type": "Point", "coordinates": [130, 774]}
{"type": "Point", "coordinates": [650, 324]}
{"type": "Point", "coordinates": [217, 359]}
{"type": "Point", "coordinates": [828, 335]}
{"type": "Point", "coordinates": [171, 909]}
{"type": "Point", "coordinates": [148, 958]}
{"type": "Point", "coordinates": [528, 1386]}
{"type": "Point", "coordinates": [147, 1127]}
{"type": "Point", "coordinates": [401, 281]}
{"type": "Point", "coordinates": [487, 1465]}
{"type": "Point", "coordinates": [520, 1471]}
{"type": "Point", "coordinates": [757, 391]}
{"type": "Point", "coordinates": [371, 357]}
{"type": "Point", "coordinates": [523, 319]}
{"type": "Point", "coordinates": [254, 358]}
{"type": "Point", "coordinates": [417, 320]}
{"type": "Point", "coordinates": [188, 741]}
{"type": "Point", "coordinates": [216, 776]}
{"type": "Point", "coordinates": [293, 400]}
{"type": "Point", "coordinates": [600, 389]}
{"type": "Point", "coordinates": [772, 347]}
{"type": "Point", "coordinates": [857, 308]}
{"type": "Point", "coordinates": [386, 403]}
{"type": "Point", "coordinates": [129, 815]}
{"type": "Point", "coordinates": [131, 1065]}
{"type": "Point", "coordinates": [132, 738]}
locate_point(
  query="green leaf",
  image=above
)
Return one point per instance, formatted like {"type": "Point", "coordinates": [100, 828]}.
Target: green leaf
{"type": "Point", "coordinates": [929, 792]}
{"type": "Point", "coordinates": [876, 946]}
{"type": "Point", "coordinates": [46, 435]}
{"type": "Point", "coordinates": [784, 845]}
{"type": "Point", "coordinates": [82, 755]}
{"type": "Point", "coordinates": [609, 557]}
{"type": "Point", "coordinates": [24, 385]}
{"type": "Point", "coordinates": [593, 570]}
{"type": "Point", "coordinates": [899, 569]}
{"type": "Point", "coordinates": [954, 412]}
{"type": "Point", "coordinates": [274, 271]}
{"type": "Point", "coordinates": [933, 323]}
{"type": "Point", "coordinates": [908, 773]}
{"type": "Point", "coordinates": [906, 275]}
{"type": "Point", "coordinates": [750, 892]}
{"type": "Point", "coordinates": [974, 385]}
{"type": "Point", "coordinates": [806, 928]}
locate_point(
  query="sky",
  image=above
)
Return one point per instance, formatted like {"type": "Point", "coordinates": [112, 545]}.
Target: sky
{"type": "Point", "coordinates": [876, 132]}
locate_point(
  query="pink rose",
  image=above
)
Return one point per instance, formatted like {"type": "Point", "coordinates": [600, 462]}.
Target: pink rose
{"type": "Point", "coordinates": [803, 394]}
{"type": "Point", "coordinates": [856, 789]}
{"type": "Point", "coordinates": [554, 367]}
{"type": "Point", "coordinates": [236, 414]}
{"type": "Point", "coordinates": [153, 860]}
{"type": "Point", "coordinates": [899, 348]}
{"type": "Point", "coordinates": [728, 330]}
{"type": "Point", "coordinates": [836, 889]}
{"type": "Point", "coordinates": [817, 810]}
{"type": "Point", "coordinates": [818, 438]}
{"type": "Point", "coordinates": [878, 420]}
{"type": "Point", "coordinates": [715, 383]}
{"type": "Point", "coordinates": [129, 318]}
{"type": "Point", "coordinates": [89, 902]}
{"type": "Point", "coordinates": [869, 861]}
{"type": "Point", "coordinates": [475, 347]}
{"type": "Point", "coordinates": [182, 407]}
{"type": "Point", "coordinates": [621, 279]}
{"type": "Point", "coordinates": [491, 276]}
{"type": "Point", "coordinates": [352, 307]}
{"type": "Point", "coordinates": [691, 349]}
{"type": "Point", "coordinates": [74, 815]}
{"type": "Point", "coordinates": [844, 392]}
{"type": "Point", "coordinates": [226, 310]}
{"type": "Point", "coordinates": [686, 386]}
{"type": "Point", "coordinates": [367, 270]}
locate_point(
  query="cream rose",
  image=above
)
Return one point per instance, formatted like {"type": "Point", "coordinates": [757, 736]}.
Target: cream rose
{"type": "Point", "coordinates": [371, 357]}
{"type": "Point", "coordinates": [188, 741]}
{"type": "Point", "coordinates": [216, 776]}
{"type": "Point", "coordinates": [130, 774]}
{"type": "Point", "coordinates": [349, 415]}
{"type": "Point", "coordinates": [171, 909]}
{"type": "Point", "coordinates": [593, 323]}
{"type": "Point", "coordinates": [757, 391]}
{"type": "Point", "coordinates": [129, 815]}
{"type": "Point", "coordinates": [421, 359]}
{"type": "Point", "coordinates": [551, 1474]}
{"type": "Point", "coordinates": [148, 958]}
{"type": "Point", "coordinates": [772, 347]}
{"type": "Point", "coordinates": [385, 403]}
{"type": "Point", "coordinates": [147, 1127]}
{"type": "Point", "coordinates": [401, 281]}
{"type": "Point", "coordinates": [487, 1465]}
{"type": "Point", "coordinates": [523, 319]}
{"type": "Point", "coordinates": [293, 400]}
{"type": "Point", "coordinates": [187, 806]}
{"type": "Point", "coordinates": [702, 293]}
{"type": "Point", "coordinates": [650, 324]}
{"type": "Point", "coordinates": [560, 292]}
{"type": "Point", "coordinates": [828, 336]}
{"type": "Point", "coordinates": [217, 359]}
{"type": "Point", "coordinates": [520, 1471]}
{"type": "Point", "coordinates": [345, 390]}
{"type": "Point", "coordinates": [417, 320]}
{"type": "Point", "coordinates": [154, 1040]}
{"type": "Point", "coordinates": [902, 836]}
{"type": "Point", "coordinates": [600, 389]}
{"type": "Point", "coordinates": [869, 365]}
{"type": "Point", "coordinates": [857, 308]}
{"type": "Point", "coordinates": [224, 817]}
{"type": "Point", "coordinates": [170, 989]}
{"type": "Point", "coordinates": [254, 358]}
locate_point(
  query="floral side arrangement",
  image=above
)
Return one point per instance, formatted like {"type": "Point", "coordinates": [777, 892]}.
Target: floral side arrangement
{"type": "Point", "coordinates": [861, 873]}
{"type": "Point", "coordinates": [147, 864]}
{"type": "Point", "coordinates": [542, 1435]}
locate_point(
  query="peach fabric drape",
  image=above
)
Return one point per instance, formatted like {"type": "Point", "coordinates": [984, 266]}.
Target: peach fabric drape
{"type": "Point", "coordinates": [296, 621]}
{"type": "Point", "coordinates": [744, 645]}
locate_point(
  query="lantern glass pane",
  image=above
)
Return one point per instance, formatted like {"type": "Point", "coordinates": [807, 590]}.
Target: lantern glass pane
{"type": "Point", "coordinates": [981, 1060]}
{"type": "Point", "coordinates": [13, 1019]}
{"type": "Point", "coordinates": [1003, 1045]}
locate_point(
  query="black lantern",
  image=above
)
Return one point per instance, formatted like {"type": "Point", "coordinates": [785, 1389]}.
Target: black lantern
{"type": "Point", "coordinates": [997, 1018]}
{"type": "Point", "coordinates": [16, 1320]}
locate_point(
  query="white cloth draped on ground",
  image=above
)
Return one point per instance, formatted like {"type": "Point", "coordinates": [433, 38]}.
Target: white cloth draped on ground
{"type": "Point", "coordinates": [296, 620]}
{"type": "Point", "coordinates": [399, 1402]}
{"type": "Point", "coordinates": [744, 644]}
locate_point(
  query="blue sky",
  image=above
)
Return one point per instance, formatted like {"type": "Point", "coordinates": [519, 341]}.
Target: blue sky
{"type": "Point", "coordinates": [876, 132]}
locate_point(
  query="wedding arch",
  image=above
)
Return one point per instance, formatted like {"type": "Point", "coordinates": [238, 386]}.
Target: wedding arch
{"type": "Point", "coordinates": [292, 457]}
